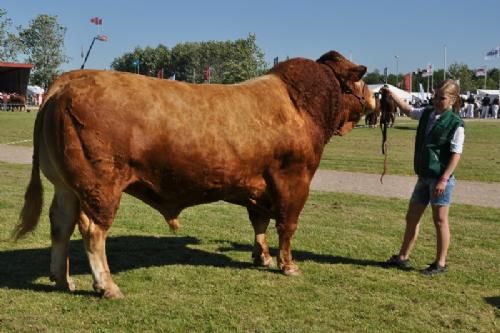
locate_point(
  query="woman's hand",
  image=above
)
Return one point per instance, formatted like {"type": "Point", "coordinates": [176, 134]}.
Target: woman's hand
{"type": "Point", "coordinates": [440, 187]}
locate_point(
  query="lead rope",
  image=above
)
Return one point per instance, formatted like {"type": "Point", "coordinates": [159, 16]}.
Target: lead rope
{"type": "Point", "coordinates": [384, 120]}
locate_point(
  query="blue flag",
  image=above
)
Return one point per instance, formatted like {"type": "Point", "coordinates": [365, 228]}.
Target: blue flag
{"type": "Point", "coordinates": [495, 53]}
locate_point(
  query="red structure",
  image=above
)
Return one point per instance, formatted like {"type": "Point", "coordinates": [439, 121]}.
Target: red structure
{"type": "Point", "coordinates": [14, 77]}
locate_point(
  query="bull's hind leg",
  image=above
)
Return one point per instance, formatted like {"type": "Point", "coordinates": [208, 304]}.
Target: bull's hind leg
{"type": "Point", "coordinates": [63, 216]}
{"type": "Point", "coordinates": [260, 222]}
{"type": "Point", "coordinates": [94, 238]}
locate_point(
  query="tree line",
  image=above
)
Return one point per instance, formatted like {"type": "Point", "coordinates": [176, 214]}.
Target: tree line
{"type": "Point", "coordinates": [197, 62]}
{"type": "Point", "coordinates": [42, 44]}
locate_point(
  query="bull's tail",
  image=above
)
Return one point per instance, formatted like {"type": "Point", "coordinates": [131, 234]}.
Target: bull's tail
{"type": "Point", "coordinates": [33, 198]}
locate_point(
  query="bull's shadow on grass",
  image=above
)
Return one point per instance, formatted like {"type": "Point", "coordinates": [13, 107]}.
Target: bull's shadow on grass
{"type": "Point", "coordinates": [299, 255]}
{"type": "Point", "coordinates": [19, 269]}
{"type": "Point", "coordinates": [495, 301]}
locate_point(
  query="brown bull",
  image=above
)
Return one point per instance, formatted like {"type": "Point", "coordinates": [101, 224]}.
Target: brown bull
{"type": "Point", "coordinates": [17, 102]}
{"type": "Point", "coordinates": [175, 145]}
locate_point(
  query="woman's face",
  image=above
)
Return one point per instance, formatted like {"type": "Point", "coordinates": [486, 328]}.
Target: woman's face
{"type": "Point", "coordinates": [442, 101]}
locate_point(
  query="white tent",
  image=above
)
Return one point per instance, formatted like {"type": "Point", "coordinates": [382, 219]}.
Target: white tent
{"type": "Point", "coordinates": [404, 95]}
{"type": "Point", "coordinates": [35, 90]}
{"type": "Point", "coordinates": [491, 93]}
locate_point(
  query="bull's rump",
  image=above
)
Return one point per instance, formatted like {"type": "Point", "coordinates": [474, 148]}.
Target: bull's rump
{"type": "Point", "coordinates": [175, 137]}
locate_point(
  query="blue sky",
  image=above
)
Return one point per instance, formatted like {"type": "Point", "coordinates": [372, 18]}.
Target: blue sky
{"type": "Point", "coordinates": [371, 33]}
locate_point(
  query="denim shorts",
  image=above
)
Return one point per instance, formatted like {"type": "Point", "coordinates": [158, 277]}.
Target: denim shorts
{"type": "Point", "coordinates": [423, 193]}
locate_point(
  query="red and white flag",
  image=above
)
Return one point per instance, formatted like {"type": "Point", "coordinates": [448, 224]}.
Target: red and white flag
{"type": "Point", "coordinates": [160, 73]}
{"type": "Point", "coordinates": [481, 71]}
{"type": "Point", "coordinates": [407, 81]}
{"type": "Point", "coordinates": [207, 74]}
{"type": "Point", "coordinates": [96, 20]}
{"type": "Point", "coordinates": [427, 71]}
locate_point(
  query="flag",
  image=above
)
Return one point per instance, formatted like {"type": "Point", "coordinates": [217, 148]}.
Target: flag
{"type": "Point", "coordinates": [481, 71]}
{"type": "Point", "coordinates": [207, 73]}
{"type": "Point", "coordinates": [160, 73]}
{"type": "Point", "coordinates": [102, 38]}
{"type": "Point", "coordinates": [495, 53]}
{"type": "Point", "coordinates": [427, 71]}
{"type": "Point", "coordinates": [422, 92]}
{"type": "Point", "coordinates": [407, 80]}
{"type": "Point", "coordinates": [96, 20]}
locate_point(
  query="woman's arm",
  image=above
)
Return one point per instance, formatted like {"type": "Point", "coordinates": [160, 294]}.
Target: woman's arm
{"type": "Point", "coordinates": [443, 181]}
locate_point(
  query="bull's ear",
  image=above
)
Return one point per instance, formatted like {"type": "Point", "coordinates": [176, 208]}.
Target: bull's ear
{"type": "Point", "coordinates": [342, 67]}
{"type": "Point", "coordinates": [357, 72]}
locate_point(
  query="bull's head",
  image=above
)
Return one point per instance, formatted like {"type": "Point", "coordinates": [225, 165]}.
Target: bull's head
{"type": "Point", "coordinates": [356, 97]}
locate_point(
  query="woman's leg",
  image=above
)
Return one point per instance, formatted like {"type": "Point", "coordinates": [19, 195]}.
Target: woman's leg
{"type": "Point", "coordinates": [415, 212]}
{"type": "Point", "coordinates": [440, 217]}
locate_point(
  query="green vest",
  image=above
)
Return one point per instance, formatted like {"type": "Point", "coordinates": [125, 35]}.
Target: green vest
{"type": "Point", "coordinates": [432, 151]}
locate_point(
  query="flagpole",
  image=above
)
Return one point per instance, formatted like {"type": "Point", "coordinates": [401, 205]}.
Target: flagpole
{"type": "Point", "coordinates": [88, 52]}
{"type": "Point", "coordinates": [445, 62]}
{"type": "Point", "coordinates": [485, 75]}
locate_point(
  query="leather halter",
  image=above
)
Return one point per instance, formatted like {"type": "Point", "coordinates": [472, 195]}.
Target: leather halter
{"type": "Point", "coordinates": [348, 90]}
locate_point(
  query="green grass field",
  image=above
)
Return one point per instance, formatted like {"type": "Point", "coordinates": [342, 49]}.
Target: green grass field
{"type": "Point", "coordinates": [202, 279]}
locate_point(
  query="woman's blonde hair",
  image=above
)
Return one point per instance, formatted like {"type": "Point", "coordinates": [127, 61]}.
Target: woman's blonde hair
{"type": "Point", "coordinates": [452, 89]}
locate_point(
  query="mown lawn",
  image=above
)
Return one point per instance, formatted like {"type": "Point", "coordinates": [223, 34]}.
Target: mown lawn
{"type": "Point", "coordinates": [201, 280]}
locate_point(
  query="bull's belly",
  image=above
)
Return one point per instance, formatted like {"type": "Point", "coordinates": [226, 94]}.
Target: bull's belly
{"type": "Point", "coordinates": [174, 193]}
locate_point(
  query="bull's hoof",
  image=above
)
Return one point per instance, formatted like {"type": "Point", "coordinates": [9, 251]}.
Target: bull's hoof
{"type": "Point", "coordinates": [290, 269]}
{"type": "Point", "coordinates": [174, 225]}
{"type": "Point", "coordinates": [261, 261]}
{"type": "Point", "coordinates": [112, 292]}
{"type": "Point", "coordinates": [63, 285]}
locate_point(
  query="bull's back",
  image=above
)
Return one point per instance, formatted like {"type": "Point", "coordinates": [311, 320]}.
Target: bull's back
{"type": "Point", "coordinates": [165, 133]}
{"type": "Point", "coordinates": [210, 120]}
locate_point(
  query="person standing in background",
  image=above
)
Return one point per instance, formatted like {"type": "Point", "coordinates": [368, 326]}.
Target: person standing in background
{"type": "Point", "coordinates": [494, 107]}
{"type": "Point", "coordinates": [485, 106]}
{"type": "Point", "coordinates": [470, 107]}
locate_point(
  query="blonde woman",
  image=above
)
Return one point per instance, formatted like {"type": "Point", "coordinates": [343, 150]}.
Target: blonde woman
{"type": "Point", "coordinates": [438, 147]}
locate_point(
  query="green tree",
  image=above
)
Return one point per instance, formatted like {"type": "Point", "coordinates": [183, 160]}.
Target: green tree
{"type": "Point", "coordinates": [150, 60]}
{"type": "Point", "coordinates": [464, 74]}
{"type": "Point", "coordinates": [43, 44]}
{"type": "Point", "coordinates": [374, 77]}
{"type": "Point", "coordinates": [229, 61]}
{"type": "Point", "coordinates": [9, 46]}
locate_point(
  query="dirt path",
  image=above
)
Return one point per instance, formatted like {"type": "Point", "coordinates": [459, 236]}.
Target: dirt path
{"type": "Point", "coordinates": [466, 192]}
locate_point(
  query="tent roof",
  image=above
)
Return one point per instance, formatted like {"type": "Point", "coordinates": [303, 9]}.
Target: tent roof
{"type": "Point", "coordinates": [14, 77]}
{"type": "Point", "coordinates": [488, 92]}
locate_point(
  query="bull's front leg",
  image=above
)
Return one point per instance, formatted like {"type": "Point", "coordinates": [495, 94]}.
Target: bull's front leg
{"type": "Point", "coordinates": [292, 190]}
{"type": "Point", "coordinates": [94, 238]}
{"type": "Point", "coordinates": [285, 260]}
{"type": "Point", "coordinates": [260, 253]}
